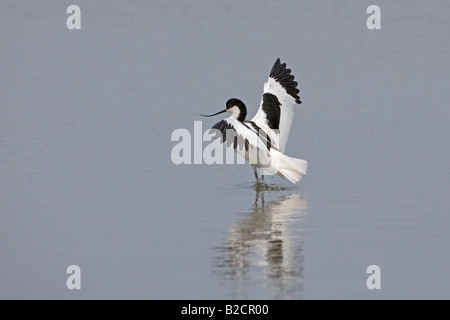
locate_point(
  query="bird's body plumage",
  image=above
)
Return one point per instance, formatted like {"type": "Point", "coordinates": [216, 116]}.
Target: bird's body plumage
{"type": "Point", "coordinates": [262, 140]}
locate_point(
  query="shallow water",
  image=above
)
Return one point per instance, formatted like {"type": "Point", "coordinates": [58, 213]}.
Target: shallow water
{"type": "Point", "coordinates": [86, 176]}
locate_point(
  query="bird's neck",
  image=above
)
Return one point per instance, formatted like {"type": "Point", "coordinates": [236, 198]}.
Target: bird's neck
{"type": "Point", "coordinates": [238, 113]}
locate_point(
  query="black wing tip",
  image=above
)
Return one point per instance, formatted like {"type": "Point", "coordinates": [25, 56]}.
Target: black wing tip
{"type": "Point", "coordinates": [275, 65]}
{"type": "Point", "coordinates": [283, 76]}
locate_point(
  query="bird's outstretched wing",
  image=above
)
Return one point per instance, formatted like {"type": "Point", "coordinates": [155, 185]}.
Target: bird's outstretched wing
{"type": "Point", "coordinates": [279, 98]}
{"type": "Point", "coordinates": [244, 138]}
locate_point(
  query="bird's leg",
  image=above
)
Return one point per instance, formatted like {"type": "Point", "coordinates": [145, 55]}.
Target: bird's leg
{"type": "Point", "coordinates": [256, 173]}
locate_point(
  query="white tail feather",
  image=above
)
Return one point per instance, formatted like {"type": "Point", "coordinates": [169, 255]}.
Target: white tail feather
{"type": "Point", "coordinates": [291, 168]}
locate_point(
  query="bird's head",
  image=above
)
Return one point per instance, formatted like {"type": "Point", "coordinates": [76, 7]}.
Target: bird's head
{"type": "Point", "coordinates": [235, 107]}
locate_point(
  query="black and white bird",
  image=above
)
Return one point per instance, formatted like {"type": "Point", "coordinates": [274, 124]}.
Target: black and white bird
{"type": "Point", "coordinates": [262, 140]}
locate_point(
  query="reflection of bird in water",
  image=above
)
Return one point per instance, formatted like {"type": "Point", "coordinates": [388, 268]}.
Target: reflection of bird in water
{"type": "Point", "coordinates": [265, 246]}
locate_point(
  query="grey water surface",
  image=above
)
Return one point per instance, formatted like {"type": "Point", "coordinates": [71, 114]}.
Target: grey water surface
{"type": "Point", "coordinates": [87, 178]}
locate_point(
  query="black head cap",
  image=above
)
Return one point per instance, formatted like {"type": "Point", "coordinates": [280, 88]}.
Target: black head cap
{"type": "Point", "coordinates": [238, 103]}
